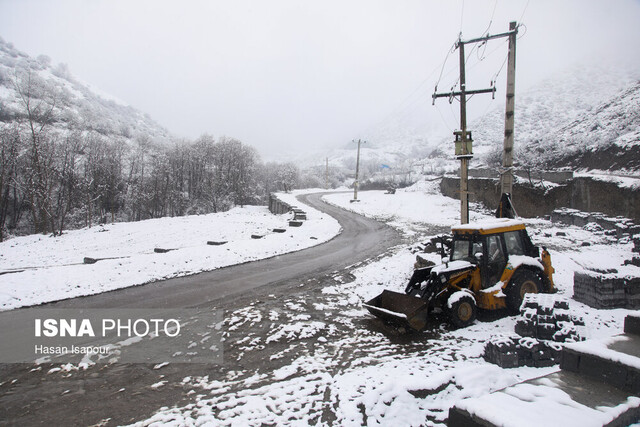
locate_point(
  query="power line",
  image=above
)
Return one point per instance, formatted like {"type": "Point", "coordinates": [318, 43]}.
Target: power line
{"type": "Point", "coordinates": [494, 50]}
{"type": "Point", "coordinates": [444, 63]}
{"type": "Point", "coordinates": [461, 17]}
{"type": "Point", "coordinates": [525, 31]}
{"type": "Point", "coordinates": [453, 113]}
{"type": "Point", "coordinates": [408, 103]}
{"type": "Point", "coordinates": [495, 5]}
{"type": "Point", "coordinates": [401, 107]}
{"type": "Point", "coordinates": [444, 121]}
{"type": "Point", "coordinates": [523, 11]}
{"type": "Point", "coordinates": [495, 77]}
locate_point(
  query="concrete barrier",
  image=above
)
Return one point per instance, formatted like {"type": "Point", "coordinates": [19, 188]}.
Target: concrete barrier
{"type": "Point", "coordinates": [277, 206]}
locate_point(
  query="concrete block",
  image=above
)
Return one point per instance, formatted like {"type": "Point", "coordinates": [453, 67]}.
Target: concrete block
{"type": "Point", "coordinates": [606, 371]}
{"type": "Point", "coordinates": [570, 360]}
{"type": "Point", "coordinates": [545, 331]}
{"type": "Point", "coordinates": [508, 360]}
{"type": "Point", "coordinates": [632, 325]}
{"type": "Point", "coordinates": [525, 328]}
{"type": "Point", "coordinates": [461, 418]}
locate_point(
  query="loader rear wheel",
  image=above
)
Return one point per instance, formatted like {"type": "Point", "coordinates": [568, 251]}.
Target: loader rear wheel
{"type": "Point", "coordinates": [463, 312]}
{"type": "Point", "coordinates": [524, 282]}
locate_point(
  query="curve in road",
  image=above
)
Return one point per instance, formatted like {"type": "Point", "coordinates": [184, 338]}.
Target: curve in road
{"type": "Point", "coordinates": [361, 239]}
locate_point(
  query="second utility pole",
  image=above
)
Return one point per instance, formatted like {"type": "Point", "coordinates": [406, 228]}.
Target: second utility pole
{"type": "Point", "coordinates": [506, 177]}
{"type": "Point", "coordinates": [355, 184]}
{"type": "Point", "coordinates": [326, 176]}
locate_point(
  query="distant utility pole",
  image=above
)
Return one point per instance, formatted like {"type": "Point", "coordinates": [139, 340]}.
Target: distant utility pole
{"type": "Point", "coordinates": [326, 176]}
{"type": "Point", "coordinates": [463, 140]}
{"type": "Point", "coordinates": [506, 177]}
{"type": "Point", "coordinates": [356, 183]}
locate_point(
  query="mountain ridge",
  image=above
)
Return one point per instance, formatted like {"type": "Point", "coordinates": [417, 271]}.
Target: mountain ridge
{"type": "Point", "coordinates": [78, 104]}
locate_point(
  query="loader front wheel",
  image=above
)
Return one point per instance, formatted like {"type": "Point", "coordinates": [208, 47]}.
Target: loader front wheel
{"type": "Point", "coordinates": [463, 312]}
{"type": "Point", "coordinates": [524, 282]}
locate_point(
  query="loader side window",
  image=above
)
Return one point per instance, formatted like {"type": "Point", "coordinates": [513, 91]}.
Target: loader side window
{"type": "Point", "coordinates": [513, 240]}
{"type": "Point", "coordinates": [460, 249]}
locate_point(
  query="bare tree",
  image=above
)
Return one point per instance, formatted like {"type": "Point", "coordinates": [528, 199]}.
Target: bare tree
{"type": "Point", "coordinates": [38, 101]}
{"type": "Point", "coordinates": [280, 177]}
{"type": "Point", "coordinates": [236, 170]}
{"type": "Point", "coordinates": [9, 148]}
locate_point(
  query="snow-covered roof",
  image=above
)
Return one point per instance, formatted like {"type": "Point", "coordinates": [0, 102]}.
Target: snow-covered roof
{"type": "Point", "coordinates": [489, 226]}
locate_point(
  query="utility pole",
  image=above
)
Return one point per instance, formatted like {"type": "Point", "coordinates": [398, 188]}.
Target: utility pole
{"type": "Point", "coordinates": [326, 176]}
{"type": "Point", "coordinates": [463, 140]}
{"type": "Point", "coordinates": [506, 177]}
{"type": "Point", "coordinates": [356, 183]}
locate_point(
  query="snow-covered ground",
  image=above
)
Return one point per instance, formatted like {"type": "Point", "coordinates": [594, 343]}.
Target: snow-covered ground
{"type": "Point", "coordinates": [342, 371]}
{"type": "Point", "coordinates": [325, 362]}
{"type": "Point", "coordinates": [39, 269]}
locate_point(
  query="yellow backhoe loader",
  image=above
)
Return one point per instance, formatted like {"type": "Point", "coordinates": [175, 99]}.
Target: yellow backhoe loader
{"type": "Point", "coordinates": [492, 265]}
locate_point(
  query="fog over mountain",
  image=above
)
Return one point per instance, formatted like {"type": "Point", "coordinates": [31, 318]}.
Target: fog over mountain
{"type": "Point", "coordinates": [289, 78]}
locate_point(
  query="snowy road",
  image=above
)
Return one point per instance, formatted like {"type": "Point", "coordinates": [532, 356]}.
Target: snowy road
{"type": "Point", "coordinates": [361, 239]}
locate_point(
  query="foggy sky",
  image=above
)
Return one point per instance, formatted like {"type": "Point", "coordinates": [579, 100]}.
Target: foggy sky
{"type": "Point", "coordinates": [285, 75]}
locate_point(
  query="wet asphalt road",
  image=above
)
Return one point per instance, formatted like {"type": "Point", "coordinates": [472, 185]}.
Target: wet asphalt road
{"type": "Point", "coordinates": [361, 239]}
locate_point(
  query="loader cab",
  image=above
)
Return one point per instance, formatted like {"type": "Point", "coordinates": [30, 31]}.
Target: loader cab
{"type": "Point", "coordinates": [489, 246]}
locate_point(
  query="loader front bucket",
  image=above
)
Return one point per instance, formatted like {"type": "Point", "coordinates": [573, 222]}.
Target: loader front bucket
{"type": "Point", "coordinates": [399, 308]}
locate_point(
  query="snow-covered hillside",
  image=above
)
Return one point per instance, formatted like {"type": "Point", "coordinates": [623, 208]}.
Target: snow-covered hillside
{"type": "Point", "coordinates": [76, 103]}
{"type": "Point", "coordinates": [585, 117]}
{"type": "Point", "coordinates": [607, 139]}
{"type": "Point", "coordinates": [583, 109]}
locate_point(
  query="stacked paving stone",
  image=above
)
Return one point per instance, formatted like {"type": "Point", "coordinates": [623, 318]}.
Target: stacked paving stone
{"type": "Point", "coordinates": [515, 351]}
{"type": "Point", "coordinates": [606, 289]}
{"type": "Point", "coordinates": [545, 322]}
